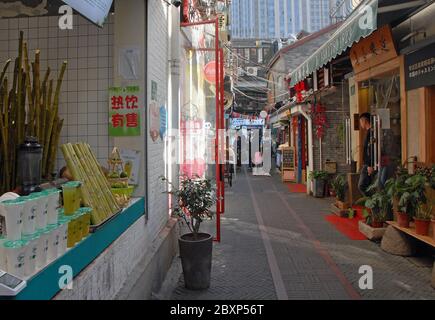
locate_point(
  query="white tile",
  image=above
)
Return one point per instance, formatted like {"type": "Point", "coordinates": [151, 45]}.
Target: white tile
{"type": "Point", "coordinates": [13, 23]}
{"type": "Point", "coordinates": [43, 22]}
{"type": "Point", "coordinates": [4, 25]}
{"type": "Point", "coordinates": [43, 32]}
{"type": "Point", "coordinates": [53, 22]}
{"type": "Point", "coordinates": [83, 74]}
{"type": "Point", "coordinates": [83, 30]}
{"type": "Point", "coordinates": [72, 96]}
{"type": "Point", "coordinates": [92, 140]}
{"type": "Point", "coordinates": [72, 52]}
{"type": "Point", "coordinates": [62, 42]}
{"type": "Point", "coordinates": [103, 51]}
{"type": "Point", "coordinates": [102, 118]}
{"type": "Point", "coordinates": [53, 32]}
{"type": "Point", "coordinates": [92, 73]}
{"type": "Point", "coordinates": [83, 118]}
{"type": "Point", "coordinates": [82, 107]}
{"type": "Point", "coordinates": [103, 73]}
{"type": "Point", "coordinates": [43, 44]}
{"type": "Point", "coordinates": [72, 85]}
{"type": "Point", "coordinates": [103, 130]}
{"type": "Point", "coordinates": [23, 23]}
{"type": "Point", "coordinates": [13, 34]}
{"type": "Point", "coordinates": [92, 51]}
{"type": "Point", "coordinates": [92, 62]}
{"type": "Point", "coordinates": [93, 40]}
{"type": "Point", "coordinates": [73, 64]}
{"type": "Point", "coordinates": [73, 42]}
{"type": "Point", "coordinates": [83, 42]}
{"type": "Point", "coordinates": [103, 40]}
{"type": "Point", "coordinates": [92, 130]}
{"type": "Point", "coordinates": [4, 35]}
{"type": "Point", "coordinates": [73, 119]}
{"type": "Point", "coordinates": [83, 64]}
{"type": "Point", "coordinates": [62, 53]}
{"type": "Point", "coordinates": [33, 22]}
{"type": "Point", "coordinates": [93, 84]}
{"type": "Point", "coordinates": [82, 85]}
{"type": "Point", "coordinates": [93, 96]}
{"type": "Point", "coordinates": [83, 128]}
{"type": "Point", "coordinates": [92, 118]}
{"type": "Point", "coordinates": [83, 97]}
{"type": "Point", "coordinates": [72, 131]}
{"type": "Point", "coordinates": [103, 141]}
{"type": "Point", "coordinates": [103, 84]}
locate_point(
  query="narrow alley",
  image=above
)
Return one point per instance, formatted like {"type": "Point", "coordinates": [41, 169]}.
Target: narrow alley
{"type": "Point", "coordinates": [278, 245]}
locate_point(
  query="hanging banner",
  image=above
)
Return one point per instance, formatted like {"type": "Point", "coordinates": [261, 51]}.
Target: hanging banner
{"type": "Point", "coordinates": [124, 111]}
{"type": "Point", "coordinates": [420, 68]}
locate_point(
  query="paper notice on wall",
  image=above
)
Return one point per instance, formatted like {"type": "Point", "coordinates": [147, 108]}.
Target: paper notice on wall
{"type": "Point", "coordinates": [384, 115]}
{"type": "Point", "coordinates": [131, 160]}
{"type": "Point", "coordinates": [95, 10]}
{"type": "Point", "coordinates": [129, 63]}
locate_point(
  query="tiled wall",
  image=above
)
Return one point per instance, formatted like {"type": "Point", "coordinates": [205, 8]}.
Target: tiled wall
{"type": "Point", "coordinates": [89, 52]}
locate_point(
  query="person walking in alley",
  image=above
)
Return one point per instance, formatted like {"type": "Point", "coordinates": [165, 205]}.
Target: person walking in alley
{"type": "Point", "coordinates": [367, 171]}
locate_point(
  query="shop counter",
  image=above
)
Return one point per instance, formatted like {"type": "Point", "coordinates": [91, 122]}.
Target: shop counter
{"type": "Point", "coordinates": [45, 284]}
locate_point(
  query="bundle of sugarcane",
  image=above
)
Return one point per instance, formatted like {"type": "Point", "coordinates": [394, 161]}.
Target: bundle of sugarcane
{"type": "Point", "coordinates": [96, 192]}
{"type": "Point", "coordinates": [29, 108]}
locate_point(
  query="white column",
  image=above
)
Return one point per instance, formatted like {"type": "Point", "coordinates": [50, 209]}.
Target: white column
{"type": "Point", "coordinates": [130, 31]}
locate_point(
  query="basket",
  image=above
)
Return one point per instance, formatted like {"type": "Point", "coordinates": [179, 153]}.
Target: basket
{"type": "Point", "coordinates": [123, 191]}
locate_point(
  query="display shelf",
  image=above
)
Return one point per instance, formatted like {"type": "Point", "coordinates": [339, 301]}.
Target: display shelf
{"type": "Point", "coordinates": [45, 284]}
{"type": "Point", "coordinates": [411, 231]}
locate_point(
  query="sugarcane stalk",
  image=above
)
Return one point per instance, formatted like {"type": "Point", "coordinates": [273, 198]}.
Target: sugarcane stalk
{"type": "Point", "coordinates": [20, 114]}
{"type": "Point", "coordinates": [53, 114]}
{"type": "Point", "coordinates": [37, 96]}
{"type": "Point", "coordinates": [93, 180]}
{"type": "Point", "coordinates": [104, 183]}
{"type": "Point", "coordinates": [76, 173]}
{"type": "Point", "coordinates": [43, 106]}
{"type": "Point", "coordinates": [54, 146]}
{"type": "Point", "coordinates": [29, 91]}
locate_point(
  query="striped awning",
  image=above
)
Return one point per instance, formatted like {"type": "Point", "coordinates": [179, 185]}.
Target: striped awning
{"type": "Point", "coordinates": [360, 24]}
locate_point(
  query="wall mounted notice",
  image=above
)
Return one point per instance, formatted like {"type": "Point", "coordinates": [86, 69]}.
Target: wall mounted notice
{"type": "Point", "coordinates": [131, 159]}
{"type": "Point", "coordinates": [95, 10]}
{"type": "Point", "coordinates": [124, 111]}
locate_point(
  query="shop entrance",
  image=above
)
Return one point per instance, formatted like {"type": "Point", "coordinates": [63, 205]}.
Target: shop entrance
{"type": "Point", "coordinates": [384, 105]}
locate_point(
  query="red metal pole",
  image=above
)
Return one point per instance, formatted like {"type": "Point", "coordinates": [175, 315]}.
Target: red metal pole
{"type": "Point", "coordinates": [222, 120]}
{"type": "Point", "coordinates": [218, 172]}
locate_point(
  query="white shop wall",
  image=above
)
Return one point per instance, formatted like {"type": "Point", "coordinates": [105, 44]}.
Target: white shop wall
{"type": "Point", "coordinates": [89, 52]}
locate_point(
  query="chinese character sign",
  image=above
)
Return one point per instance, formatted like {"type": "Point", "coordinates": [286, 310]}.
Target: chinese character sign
{"type": "Point", "coordinates": [124, 111]}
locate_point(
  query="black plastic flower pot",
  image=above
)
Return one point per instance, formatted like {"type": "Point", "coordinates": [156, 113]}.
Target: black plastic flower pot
{"type": "Point", "coordinates": [319, 188]}
{"type": "Point", "coordinates": [196, 256]}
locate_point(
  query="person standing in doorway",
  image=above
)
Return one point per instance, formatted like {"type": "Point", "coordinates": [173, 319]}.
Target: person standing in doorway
{"type": "Point", "coordinates": [367, 171]}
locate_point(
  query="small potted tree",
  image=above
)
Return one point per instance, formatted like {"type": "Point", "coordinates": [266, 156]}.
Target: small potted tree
{"type": "Point", "coordinates": [194, 199]}
{"type": "Point", "coordinates": [319, 182]}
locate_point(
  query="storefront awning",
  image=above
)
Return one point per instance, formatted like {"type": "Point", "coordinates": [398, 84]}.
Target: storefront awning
{"type": "Point", "coordinates": [360, 24]}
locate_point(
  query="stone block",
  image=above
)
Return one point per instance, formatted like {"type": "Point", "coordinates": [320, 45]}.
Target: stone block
{"type": "Point", "coordinates": [397, 243]}
{"type": "Point", "coordinates": [370, 232]}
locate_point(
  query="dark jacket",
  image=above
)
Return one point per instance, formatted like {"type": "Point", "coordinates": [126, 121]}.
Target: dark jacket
{"type": "Point", "coordinates": [368, 152]}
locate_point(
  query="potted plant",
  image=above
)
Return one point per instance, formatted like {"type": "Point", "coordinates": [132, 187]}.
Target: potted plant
{"type": "Point", "coordinates": [319, 181]}
{"type": "Point", "coordinates": [339, 186]}
{"type": "Point", "coordinates": [423, 219]}
{"type": "Point", "coordinates": [378, 204]}
{"type": "Point", "coordinates": [412, 196]}
{"type": "Point", "coordinates": [194, 199]}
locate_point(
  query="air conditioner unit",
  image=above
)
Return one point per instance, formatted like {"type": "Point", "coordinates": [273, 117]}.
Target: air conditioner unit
{"type": "Point", "coordinates": [240, 72]}
{"type": "Point", "coordinates": [252, 71]}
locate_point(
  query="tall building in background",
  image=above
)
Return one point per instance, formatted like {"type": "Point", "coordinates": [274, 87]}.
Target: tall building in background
{"type": "Point", "coordinates": [273, 19]}
{"type": "Point", "coordinates": [341, 9]}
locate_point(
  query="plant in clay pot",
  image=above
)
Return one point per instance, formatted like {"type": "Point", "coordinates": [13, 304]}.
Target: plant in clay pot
{"type": "Point", "coordinates": [194, 199]}
{"type": "Point", "coordinates": [423, 219]}
{"type": "Point", "coordinates": [339, 186]}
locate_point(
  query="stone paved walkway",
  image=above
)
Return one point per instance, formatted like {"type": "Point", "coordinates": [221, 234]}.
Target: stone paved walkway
{"type": "Point", "coordinates": [277, 245]}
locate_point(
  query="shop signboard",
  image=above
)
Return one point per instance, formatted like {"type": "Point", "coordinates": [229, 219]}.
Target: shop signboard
{"type": "Point", "coordinates": [240, 122]}
{"type": "Point", "coordinates": [372, 51]}
{"type": "Point", "coordinates": [420, 68]}
{"type": "Point", "coordinates": [95, 11]}
{"type": "Point", "coordinates": [124, 111]}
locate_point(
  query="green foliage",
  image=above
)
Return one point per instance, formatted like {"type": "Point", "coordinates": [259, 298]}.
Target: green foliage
{"type": "Point", "coordinates": [351, 213]}
{"type": "Point", "coordinates": [194, 199]}
{"type": "Point", "coordinates": [318, 175]}
{"type": "Point", "coordinates": [379, 202]}
{"type": "Point", "coordinates": [339, 186]}
{"type": "Point", "coordinates": [424, 212]}
{"type": "Point", "coordinates": [411, 194]}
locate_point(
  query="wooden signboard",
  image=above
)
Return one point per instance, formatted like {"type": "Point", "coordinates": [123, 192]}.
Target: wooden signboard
{"type": "Point", "coordinates": [288, 164]}
{"type": "Point", "coordinates": [372, 51]}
